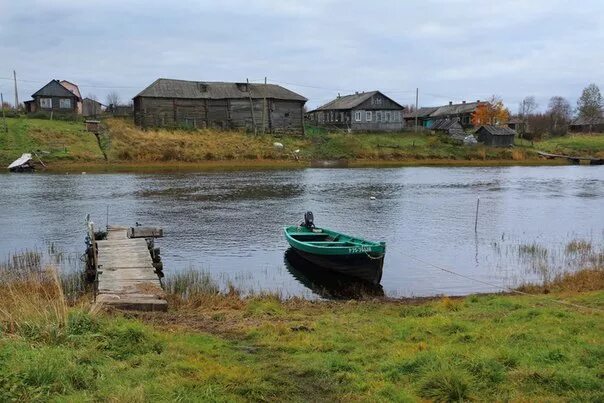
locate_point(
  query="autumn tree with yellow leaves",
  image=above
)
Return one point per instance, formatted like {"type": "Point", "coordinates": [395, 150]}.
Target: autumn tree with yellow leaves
{"type": "Point", "coordinates": [492, 112]}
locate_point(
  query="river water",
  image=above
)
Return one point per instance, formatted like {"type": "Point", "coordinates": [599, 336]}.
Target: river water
{"type": "Point", "coordinates": [229, 223]}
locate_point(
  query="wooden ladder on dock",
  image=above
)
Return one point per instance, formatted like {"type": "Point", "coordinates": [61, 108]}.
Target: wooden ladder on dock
{"type": "Point", "coordinates": [126, 276]}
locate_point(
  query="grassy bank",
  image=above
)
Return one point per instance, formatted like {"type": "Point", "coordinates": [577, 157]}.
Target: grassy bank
{"type": "Point", "coordinates": [67, 145]}
{"type": "Point", "coordinates": [227, 348]}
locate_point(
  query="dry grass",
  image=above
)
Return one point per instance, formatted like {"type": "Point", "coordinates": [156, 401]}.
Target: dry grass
{"type": "Point", "coordinates": [33, 301]}
{"type": "Point", "coordinates": [35, 298]}
{"type": "Point", "coordinates": [580, 281]}
{"type": "Point", "coordinates": [129, 143]}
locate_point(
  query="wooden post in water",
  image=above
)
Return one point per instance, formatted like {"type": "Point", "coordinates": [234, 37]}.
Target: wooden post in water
{"type": "Point", "coordinates": [476, 219]}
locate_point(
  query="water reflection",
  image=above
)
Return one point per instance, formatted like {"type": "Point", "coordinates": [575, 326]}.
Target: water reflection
{"type": "Point", "coordinates": [328, 284]}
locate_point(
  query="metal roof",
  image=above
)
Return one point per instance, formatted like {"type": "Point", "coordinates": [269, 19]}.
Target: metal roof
{"type": "Point", "coordinates": [455, 109]}
{"type": "Point", "coordinates": [351, 101]}
{"type": "Point", "coordinates": [168, 88]}
{"type": "Point", "coordinates": [54, 89]}
{"type": "Point", "coordinates": [421, 112]}
{"type": "Point", "coordinates": [498, 130]}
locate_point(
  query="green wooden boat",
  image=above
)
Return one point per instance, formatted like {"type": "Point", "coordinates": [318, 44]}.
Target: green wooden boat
{"type": "Point", "coordinates": [341, 253]}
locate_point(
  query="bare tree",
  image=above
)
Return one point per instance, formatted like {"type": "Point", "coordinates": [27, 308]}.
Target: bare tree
{"type": "Point", "coordinates": [560, 113]}
{"type": "Point", "coordinates": [113, 99]}
{"type": "Point", "coordinates": [590, 104]}
{"type": "Point", "coordinates": [526, 108]}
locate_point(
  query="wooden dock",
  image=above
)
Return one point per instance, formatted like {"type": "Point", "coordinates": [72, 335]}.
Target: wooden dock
{"type": "Point", "coordinates": [126, 276]}
{"type": "Point", "coordinates": [573, 159]}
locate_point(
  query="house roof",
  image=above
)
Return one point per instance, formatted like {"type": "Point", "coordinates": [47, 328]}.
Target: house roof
{"type": "Point", "coordinates": [71, 87]}
{"type": "Point", "coordinates": [498, 130]}
{"type": "Point", "coordinates": [54, 89]}
{"type": "Point", "coordinates": [92, 100]}
{"type": "Point", "coordinates": [168, 88]}
{"type": "Point", "coordinates": [455, 109]}
{"type": "Point", "coordinates": [585, 121]}
{"type": "Point", "coordinates": [443, 124]}
{"type": "Point", "coordinates": [421, 112]}
{"type": "Point", "coordinates": [346, 102]}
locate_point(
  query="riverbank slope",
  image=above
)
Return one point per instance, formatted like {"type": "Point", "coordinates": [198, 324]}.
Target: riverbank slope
{"type": "Point", "coordinates": [229, 348]}
{"type": "Point", "coordinates": [67, 146]}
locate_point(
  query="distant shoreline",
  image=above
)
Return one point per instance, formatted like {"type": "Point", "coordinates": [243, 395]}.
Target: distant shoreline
{"type": "Point", "coordinates": [175, 166]}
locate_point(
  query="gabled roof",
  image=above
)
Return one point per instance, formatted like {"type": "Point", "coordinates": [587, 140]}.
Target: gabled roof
{"type": "Point", "coordinates": [455, 109]}
{"type": "Point", "coordinates": [422, 112]}
{"type": "Point", "coordinates": [54, 89]}
{"type": "Point", "coordinates": [498, 130]}
{"type": "Point", "coordinates": [585, 121]}
{"type": "Point", "coordinates": [346, 102]}
{"type": "Point", "coordinates": [168, 88]}
{"type": "Point", "coordinates": [72, 88]}
{"type": "Point", "coordinates": [443, 124]}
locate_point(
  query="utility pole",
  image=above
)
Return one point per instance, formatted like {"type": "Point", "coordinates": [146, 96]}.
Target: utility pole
{"type": "Point", "coordinates": [16, 92]}
{"type": "Point", "coordinates": [3, 115]}
{"type": "Point", "coordinates": [416, 103]}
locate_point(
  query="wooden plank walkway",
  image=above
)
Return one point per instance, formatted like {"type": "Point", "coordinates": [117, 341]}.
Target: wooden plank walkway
{"type": "Point", "coordinates": [573, 159]}
{"type": "Point", "coordinates": [127, 278]}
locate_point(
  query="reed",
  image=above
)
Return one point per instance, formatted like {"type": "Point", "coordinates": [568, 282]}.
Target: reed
{"type": "Point", "coordinates": [34, 298]}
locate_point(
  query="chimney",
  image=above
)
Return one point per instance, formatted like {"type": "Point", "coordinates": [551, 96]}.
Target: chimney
{"type": "Point", "coordinates": [450, 103]}
{"type": "Point", "coordinates": [356, 93]}
{"type": "Point", "coordinates": [338, 95]}
{"type": "Point", "coordinates": [478, 100]}
{"type": "Point", "coordinates": [463, 102]}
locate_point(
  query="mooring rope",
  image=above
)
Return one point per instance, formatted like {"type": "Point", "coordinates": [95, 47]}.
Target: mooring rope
{"type": "Point", "coordinates": [508, 289]}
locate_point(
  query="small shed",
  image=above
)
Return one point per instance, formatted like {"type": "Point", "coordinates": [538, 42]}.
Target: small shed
{"type": "Point", "coordinates": [497, 136]}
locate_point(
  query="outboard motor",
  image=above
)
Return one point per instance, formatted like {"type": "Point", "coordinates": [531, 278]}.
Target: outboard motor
{"type": "Point", "coordinates": [309, 220]}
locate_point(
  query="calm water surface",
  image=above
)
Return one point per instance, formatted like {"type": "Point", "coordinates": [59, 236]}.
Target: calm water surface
{"type": "Point", "coordinates": [230, 223]}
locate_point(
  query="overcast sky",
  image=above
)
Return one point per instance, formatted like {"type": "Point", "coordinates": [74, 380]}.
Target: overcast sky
{"type": "Point", "coordinates": [452, 50]}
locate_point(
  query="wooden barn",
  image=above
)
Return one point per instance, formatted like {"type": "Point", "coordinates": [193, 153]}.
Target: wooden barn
{"type": "Point", "coordinates": [54, 97]}
{"type": "Point", "coordinates": [497, 136]}
{"type": "Point", "coordinates": [220, 105]}
{"type": "Point", "coordinates": [587, 125]}
{"type": "Point", "coordinates": [450, 127]}
{"type": "Point", "coordinates": [91, 107]}
{"type": "Point", "coordinates": [360, 112]}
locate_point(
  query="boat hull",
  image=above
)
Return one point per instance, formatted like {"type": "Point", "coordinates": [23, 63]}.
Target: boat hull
{"type": "Point", "coordinates": [361, 265]}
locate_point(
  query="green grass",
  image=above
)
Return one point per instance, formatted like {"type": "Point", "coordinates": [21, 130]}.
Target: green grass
{"type": "Point", "coordinates": [229, 349]}
{"type": "Point", "coordinates": [53, 140]}
{"type": "Point", "coordinates": [63, 142]}
{"type": "Point", "coordinates": [572, 144]}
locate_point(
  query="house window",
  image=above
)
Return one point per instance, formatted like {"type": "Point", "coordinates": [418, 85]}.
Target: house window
{"type": "Point", "coordinates": [65, 103]}
{"type": "Point", "coordinates": [368, 116]}
{"type": "Point", "coordinates": [46, 103]}
{"type": "Point", "coordinates": [357, 116]}
{"type": "Point", "coordinates": [378, 116]}
{"type": "Point", "coordinates": [387, 116]}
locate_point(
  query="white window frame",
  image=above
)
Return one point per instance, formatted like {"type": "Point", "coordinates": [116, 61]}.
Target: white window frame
{"type": "Point", "coordinates": [357, 116]}
{"type": "Point", "coordinates": [368, 116]}
{"type": "Point", "coordinates": [388, 116]}
{"type": "Point", "coordinates": [63, 101]}
{"type": "Point", "coordinates": [44, 101]}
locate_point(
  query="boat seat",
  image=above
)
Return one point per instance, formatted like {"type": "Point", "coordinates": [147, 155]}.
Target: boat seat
{"type": "Point", "coordinates": [326, 243]}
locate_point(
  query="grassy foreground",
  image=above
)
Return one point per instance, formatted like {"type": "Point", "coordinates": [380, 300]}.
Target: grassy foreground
{"type": "Point", "coordinates": [214, 347]}
{"type": "Point", "coordinates": [67, 144]}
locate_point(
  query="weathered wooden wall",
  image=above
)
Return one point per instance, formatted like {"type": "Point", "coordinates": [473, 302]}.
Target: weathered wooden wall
{"type": "Point", "coordinates": [279, 116]}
